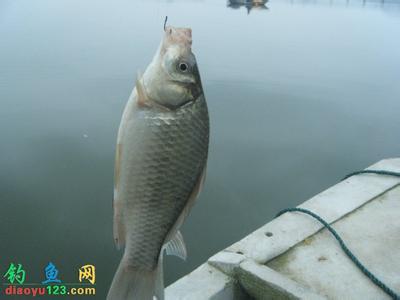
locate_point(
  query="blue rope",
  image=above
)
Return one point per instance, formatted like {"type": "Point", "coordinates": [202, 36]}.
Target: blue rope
{"type": "Point", "coordinates": [346, 250]}
{"type": "Point", "coordinates": [379, 172]}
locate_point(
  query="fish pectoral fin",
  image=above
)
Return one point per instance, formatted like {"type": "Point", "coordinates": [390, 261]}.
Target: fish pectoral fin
{"type": "Point", "coordinates": [176, 246]}
{"type": "Point", "coordinates": [142, 98]}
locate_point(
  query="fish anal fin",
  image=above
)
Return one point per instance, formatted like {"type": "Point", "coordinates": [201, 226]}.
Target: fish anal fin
{"type": "Point", "coordinates": [174, 233]}
{"type": "Point", "coordinates": [176, 246]}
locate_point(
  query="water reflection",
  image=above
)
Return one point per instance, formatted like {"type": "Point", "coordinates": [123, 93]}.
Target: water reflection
{"type": "Point", "coordinates": [389, 6]}
{"type": "Point", "coordinates": [369, 3]}
{"type": "Point", "coordinates": [248, 4]}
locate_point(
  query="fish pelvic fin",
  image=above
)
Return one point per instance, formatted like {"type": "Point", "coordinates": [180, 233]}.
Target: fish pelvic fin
{"type": "Point", "coordinates": [118, 226]}
{"type": "Point", "coordinates": [133, 283]}
{"type": "Point", "coordinates": [176, 246]}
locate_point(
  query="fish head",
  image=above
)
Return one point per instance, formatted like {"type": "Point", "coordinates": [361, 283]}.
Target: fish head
{"type": "Point", "coordinates": [178, 60]}
{"type": "Point", "coordinates": [173, 78]}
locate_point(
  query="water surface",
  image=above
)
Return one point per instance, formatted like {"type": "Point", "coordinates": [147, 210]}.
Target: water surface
{"type": "Point", "coordinates": [300, 93]}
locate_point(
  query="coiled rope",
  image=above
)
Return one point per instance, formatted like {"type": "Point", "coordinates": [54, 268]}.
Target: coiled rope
{"type": "Point", "coordinates": [346, 250]}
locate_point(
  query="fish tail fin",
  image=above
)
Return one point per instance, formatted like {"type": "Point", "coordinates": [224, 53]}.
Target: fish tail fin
{"type": "Point", "coordinates": [132, 283]}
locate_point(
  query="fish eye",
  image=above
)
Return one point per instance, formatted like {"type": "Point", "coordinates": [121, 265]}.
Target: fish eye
{"type": "Point", "coordinates": [183, 67]}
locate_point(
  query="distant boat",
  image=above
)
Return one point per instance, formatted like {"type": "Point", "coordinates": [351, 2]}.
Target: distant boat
{"type": "Point", "coordinates": [253, 2]}
{"type": "Point", "coordinates": [248, 4]}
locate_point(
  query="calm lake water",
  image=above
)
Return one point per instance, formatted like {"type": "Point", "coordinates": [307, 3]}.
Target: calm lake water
{"type": "Point", "coordinates": [300, 93]}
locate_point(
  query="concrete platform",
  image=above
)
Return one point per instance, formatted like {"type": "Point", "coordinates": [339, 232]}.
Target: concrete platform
{"type": "Point", "coordinates": [292, 258]}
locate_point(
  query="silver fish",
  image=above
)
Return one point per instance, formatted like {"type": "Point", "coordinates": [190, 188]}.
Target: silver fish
{"type": "Point", "coordinates": [161, 157]}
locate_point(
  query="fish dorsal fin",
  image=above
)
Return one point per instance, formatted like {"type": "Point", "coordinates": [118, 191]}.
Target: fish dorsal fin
{"type": "Point", "coordinates": [176, 246]}
{"type": "Point", "coordinates": [142, 98]}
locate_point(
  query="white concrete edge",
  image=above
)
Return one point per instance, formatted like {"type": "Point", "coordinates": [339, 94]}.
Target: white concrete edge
{"type": "Point", "coordinates": [262, 282]}
{"type": "Point", "coordinates": [216, 278]}
{"type": "Point", "coordinates": [205, 282]}
{"type": "Point", "coordinates": [226, 262]}
{"type": "Point", "coordinates": [332, 204]}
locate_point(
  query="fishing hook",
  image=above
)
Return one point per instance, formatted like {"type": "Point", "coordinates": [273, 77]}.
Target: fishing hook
{"type": "Point", "coordinates": [165, 22]}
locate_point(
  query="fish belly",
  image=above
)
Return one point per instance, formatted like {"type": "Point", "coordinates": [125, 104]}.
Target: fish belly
{"type": "Point", "coordinates": [163, 156]}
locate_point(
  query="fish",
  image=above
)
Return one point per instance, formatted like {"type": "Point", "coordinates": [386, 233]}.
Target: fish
{"type": "Point", "coordinates": [160, 166]}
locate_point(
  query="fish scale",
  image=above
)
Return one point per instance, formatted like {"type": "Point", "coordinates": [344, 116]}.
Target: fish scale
{"type": "Point", "coordinates": [163, 164]}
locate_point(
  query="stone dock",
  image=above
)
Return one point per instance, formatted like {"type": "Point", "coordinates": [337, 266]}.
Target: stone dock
{"type": "Point", "coordinates": [294, 257]}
